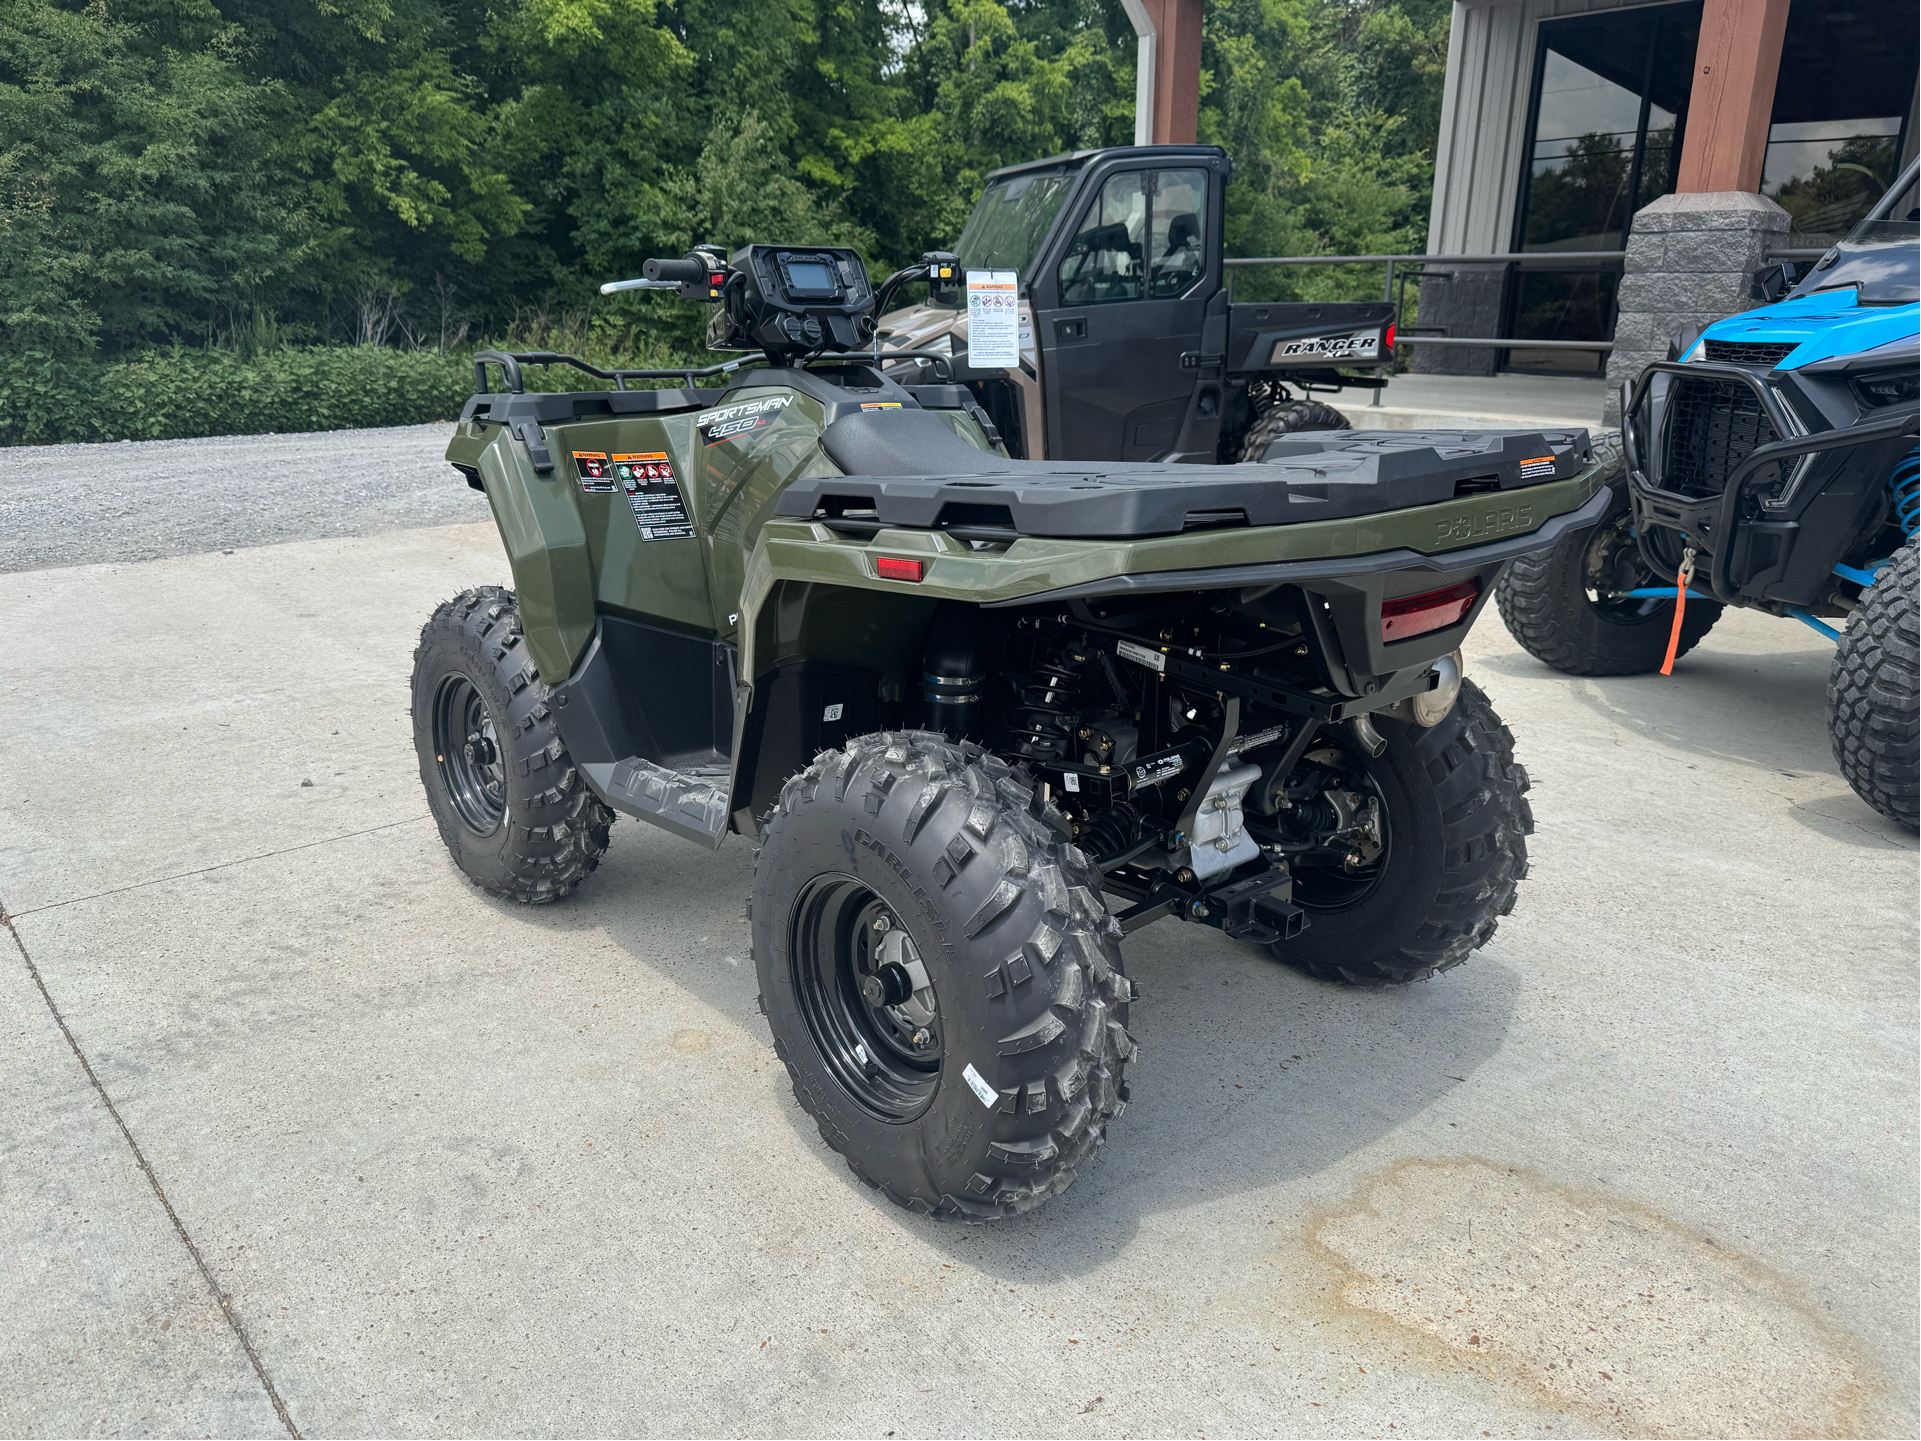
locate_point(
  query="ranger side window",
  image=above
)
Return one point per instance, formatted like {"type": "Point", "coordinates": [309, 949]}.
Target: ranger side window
{"type": "Point", "coordinates": [1144, 237]}
{"type": "Point", "coordinates": [1177, 236]}
{"type": "Point", "coordinates": [1105, 260]}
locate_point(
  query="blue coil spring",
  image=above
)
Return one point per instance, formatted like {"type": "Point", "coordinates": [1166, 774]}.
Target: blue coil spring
{"type": "Point", "coordinates": [1905, 484]}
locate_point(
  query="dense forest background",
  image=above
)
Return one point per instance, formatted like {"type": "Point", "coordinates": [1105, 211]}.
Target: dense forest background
{"type": "Point", "coordinates": [246, 175]}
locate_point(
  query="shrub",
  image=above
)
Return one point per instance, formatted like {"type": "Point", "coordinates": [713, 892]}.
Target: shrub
{"type": "Point", "coordinates": [177, 394]}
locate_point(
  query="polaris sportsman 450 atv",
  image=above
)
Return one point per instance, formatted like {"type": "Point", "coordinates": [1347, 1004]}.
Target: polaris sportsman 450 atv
{"type": "Point", "coordinates": [1772, 464]}
{"type": "Point", "coordinates": [980, 717]}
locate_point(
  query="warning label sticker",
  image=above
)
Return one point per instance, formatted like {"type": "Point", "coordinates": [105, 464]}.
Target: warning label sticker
{"type": "Point", "coordinates": [596, 477]}
{"type": "Point", "coordinates": [880, 405]}
{"type": "Point", "coordinates": [1537, 466]}
{"type": "Point", "coordinates": [654, 493]}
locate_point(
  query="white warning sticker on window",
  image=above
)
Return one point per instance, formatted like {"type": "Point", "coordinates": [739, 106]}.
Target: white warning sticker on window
{"type": "Point", "coordinates": [993, 318]}
{"type": "Point", "coordinates": [978, 1084]}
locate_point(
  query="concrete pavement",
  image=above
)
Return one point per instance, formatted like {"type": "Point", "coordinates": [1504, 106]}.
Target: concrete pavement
{"type": "Point", "coordinates": [442, 1165]}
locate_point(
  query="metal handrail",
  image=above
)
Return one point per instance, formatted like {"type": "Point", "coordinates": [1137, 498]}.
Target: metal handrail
{"type": "Point", "coordinates": [1505, 257]}
{"type": "Point", "coordinates": [1432, 259]}
{"type": "Point", "coordinates": [1496, 342]}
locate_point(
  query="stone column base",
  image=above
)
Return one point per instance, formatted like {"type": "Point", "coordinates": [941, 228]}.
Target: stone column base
{"type": "Point", "coordinates": [1690, 261]}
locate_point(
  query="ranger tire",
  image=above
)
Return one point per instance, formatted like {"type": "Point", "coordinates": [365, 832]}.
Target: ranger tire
{"type": "Point", "coordinates": [1545, 596]}
{"type": "Point", "coordinates": [515, 813]}
{"type": "Point", "coordinates": [1872, 701]}
{"type": "Point", "coordinates": [1028, 1007]}
{"type": "Point", "coordinates": [1457, 822]}
{"type": "Point", "coordinates": [1287, 418]}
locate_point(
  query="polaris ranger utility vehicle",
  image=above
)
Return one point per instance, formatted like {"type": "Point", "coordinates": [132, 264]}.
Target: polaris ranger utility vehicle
{"type": "Point", "coordinates": [1129, 347]}
{"type": "Point", "coordinates": [1771, 464]}
{"type": "Point", "coordinates": [980, 717]}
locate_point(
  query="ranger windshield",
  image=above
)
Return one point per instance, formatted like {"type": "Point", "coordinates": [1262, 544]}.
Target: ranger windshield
{"type": "Point", "coordinates": [1011, 219]}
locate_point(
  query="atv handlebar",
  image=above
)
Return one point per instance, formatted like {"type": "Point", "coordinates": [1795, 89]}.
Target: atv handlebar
{"type": "Point", "coordinates": [678, 272]}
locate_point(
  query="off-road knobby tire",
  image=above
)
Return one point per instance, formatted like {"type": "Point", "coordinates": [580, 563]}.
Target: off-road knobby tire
{"type": "Point", "coordinates": [1543, 599]}
{"type": "Point", "coordinates": [555, 830]}
{"type": "Point", "coordinates": [1025, 960]}
{"type": "Point", "coordinates": [1287, 418]}
{"type": "Point", "coordinates": [1872, 694]}
{"type": "Point", "coordinates": [1458, 822]}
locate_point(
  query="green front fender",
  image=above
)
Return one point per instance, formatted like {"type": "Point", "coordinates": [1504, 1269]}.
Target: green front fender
{"type": "Point", "coordinates": [540, 526]}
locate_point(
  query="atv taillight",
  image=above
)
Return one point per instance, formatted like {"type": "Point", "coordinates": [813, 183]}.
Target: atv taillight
{"type": "Point", "coordinates": [892, 567]}
{"type": "Point", "coordinates": [1437, 610]}
{"type": "Point", "coordinates": [1387, 340]}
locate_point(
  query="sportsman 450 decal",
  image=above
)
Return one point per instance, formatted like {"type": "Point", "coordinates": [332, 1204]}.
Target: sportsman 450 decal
{"type": "Point", "coordinates": [730, 421]}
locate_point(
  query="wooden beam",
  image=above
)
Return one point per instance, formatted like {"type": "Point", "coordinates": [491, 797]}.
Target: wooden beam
{"type": "Point", "coordinates": [1177, 70]}
{"type": "Point", "coordinates": [1735, 67]}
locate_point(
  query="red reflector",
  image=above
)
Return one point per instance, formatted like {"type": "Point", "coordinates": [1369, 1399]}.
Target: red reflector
{"type": "Point", "coordinates": [1387, 342]}
{"type": "Point", "coordinates": [892, 567]}
{"type": "Point", "coordinates": [1419, 614]}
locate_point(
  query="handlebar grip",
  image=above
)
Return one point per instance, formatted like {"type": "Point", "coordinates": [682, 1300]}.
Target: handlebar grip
{"type": "Point", "coordinates": [683, 272]}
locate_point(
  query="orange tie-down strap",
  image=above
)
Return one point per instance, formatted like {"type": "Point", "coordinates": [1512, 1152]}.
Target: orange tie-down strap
{"type": "Point", "coordinates": [1681, 581]}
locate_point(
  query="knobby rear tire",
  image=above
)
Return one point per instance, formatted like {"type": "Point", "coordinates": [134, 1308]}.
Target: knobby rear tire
{"type": "Point", "coordinates": [1024, 958]}
{"type": "Point", "coordinates": [1458, 823]}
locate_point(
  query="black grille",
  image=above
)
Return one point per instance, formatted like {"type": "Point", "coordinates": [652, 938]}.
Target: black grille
{"type": "Point", "coordinates": [1713, 426]}
{"type": "Point", "coordinates": [1743, 352]}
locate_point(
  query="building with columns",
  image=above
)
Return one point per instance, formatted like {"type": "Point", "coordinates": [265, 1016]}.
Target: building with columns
{"type": "Point", "coordinates": [1701, 137]}
{"type": "Point", "coordinates": [1697, 136]}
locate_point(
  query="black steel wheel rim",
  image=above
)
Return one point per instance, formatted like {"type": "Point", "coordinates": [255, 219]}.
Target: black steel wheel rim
{"type": "Point", "coordinates": [1611, 565]}
{"type": "Point", "coordinates": [886, 1057]}
{"type": "Point", "coordinates": [467, 752]}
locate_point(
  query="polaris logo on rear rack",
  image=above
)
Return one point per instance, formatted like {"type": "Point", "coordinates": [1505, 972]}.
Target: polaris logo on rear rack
{"type": "Point", "coordinates": [1359, 343]}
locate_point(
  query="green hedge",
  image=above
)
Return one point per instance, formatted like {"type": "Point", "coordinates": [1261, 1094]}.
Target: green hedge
{"type": "Point", "coordinates": [172, 395]}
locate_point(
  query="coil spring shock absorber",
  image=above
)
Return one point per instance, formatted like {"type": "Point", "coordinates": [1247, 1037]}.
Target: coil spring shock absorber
{"type": "Point", "coordinates": [1046, 710]}
{"type": "Point", "coordinates": [1904, 485]}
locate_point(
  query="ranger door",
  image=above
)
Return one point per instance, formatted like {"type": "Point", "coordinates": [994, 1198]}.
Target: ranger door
{"type": "Point", "coordinates": [1120, 309]}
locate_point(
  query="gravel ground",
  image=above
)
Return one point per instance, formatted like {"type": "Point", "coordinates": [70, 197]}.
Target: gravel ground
{"type": "Point", "coordinates": [146, 500]}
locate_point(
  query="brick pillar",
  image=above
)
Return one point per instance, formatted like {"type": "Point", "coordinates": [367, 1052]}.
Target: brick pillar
{"type": "Point", "coordinates": [1690, 260]}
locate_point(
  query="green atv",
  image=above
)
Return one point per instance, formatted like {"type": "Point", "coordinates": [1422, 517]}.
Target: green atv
{"type": "Point", "coordinates": [980, 717]}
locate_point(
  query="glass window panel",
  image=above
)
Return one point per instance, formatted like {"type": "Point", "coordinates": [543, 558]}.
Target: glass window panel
{"type": "Point", "coordinates": [1583, 155]}
{"type": "Point", "coordinates": [1827, 174]}
{"type": "Point", "coordinates": [1104, 261]}
{"type": "Point", "coordinates": [1177, 237]}
{"type": "Point", "coordinates": [1009, 222]}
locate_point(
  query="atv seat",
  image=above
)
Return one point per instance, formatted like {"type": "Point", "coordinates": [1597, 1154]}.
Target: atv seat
{"type": "Point", "coordinates": [908, 442]}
